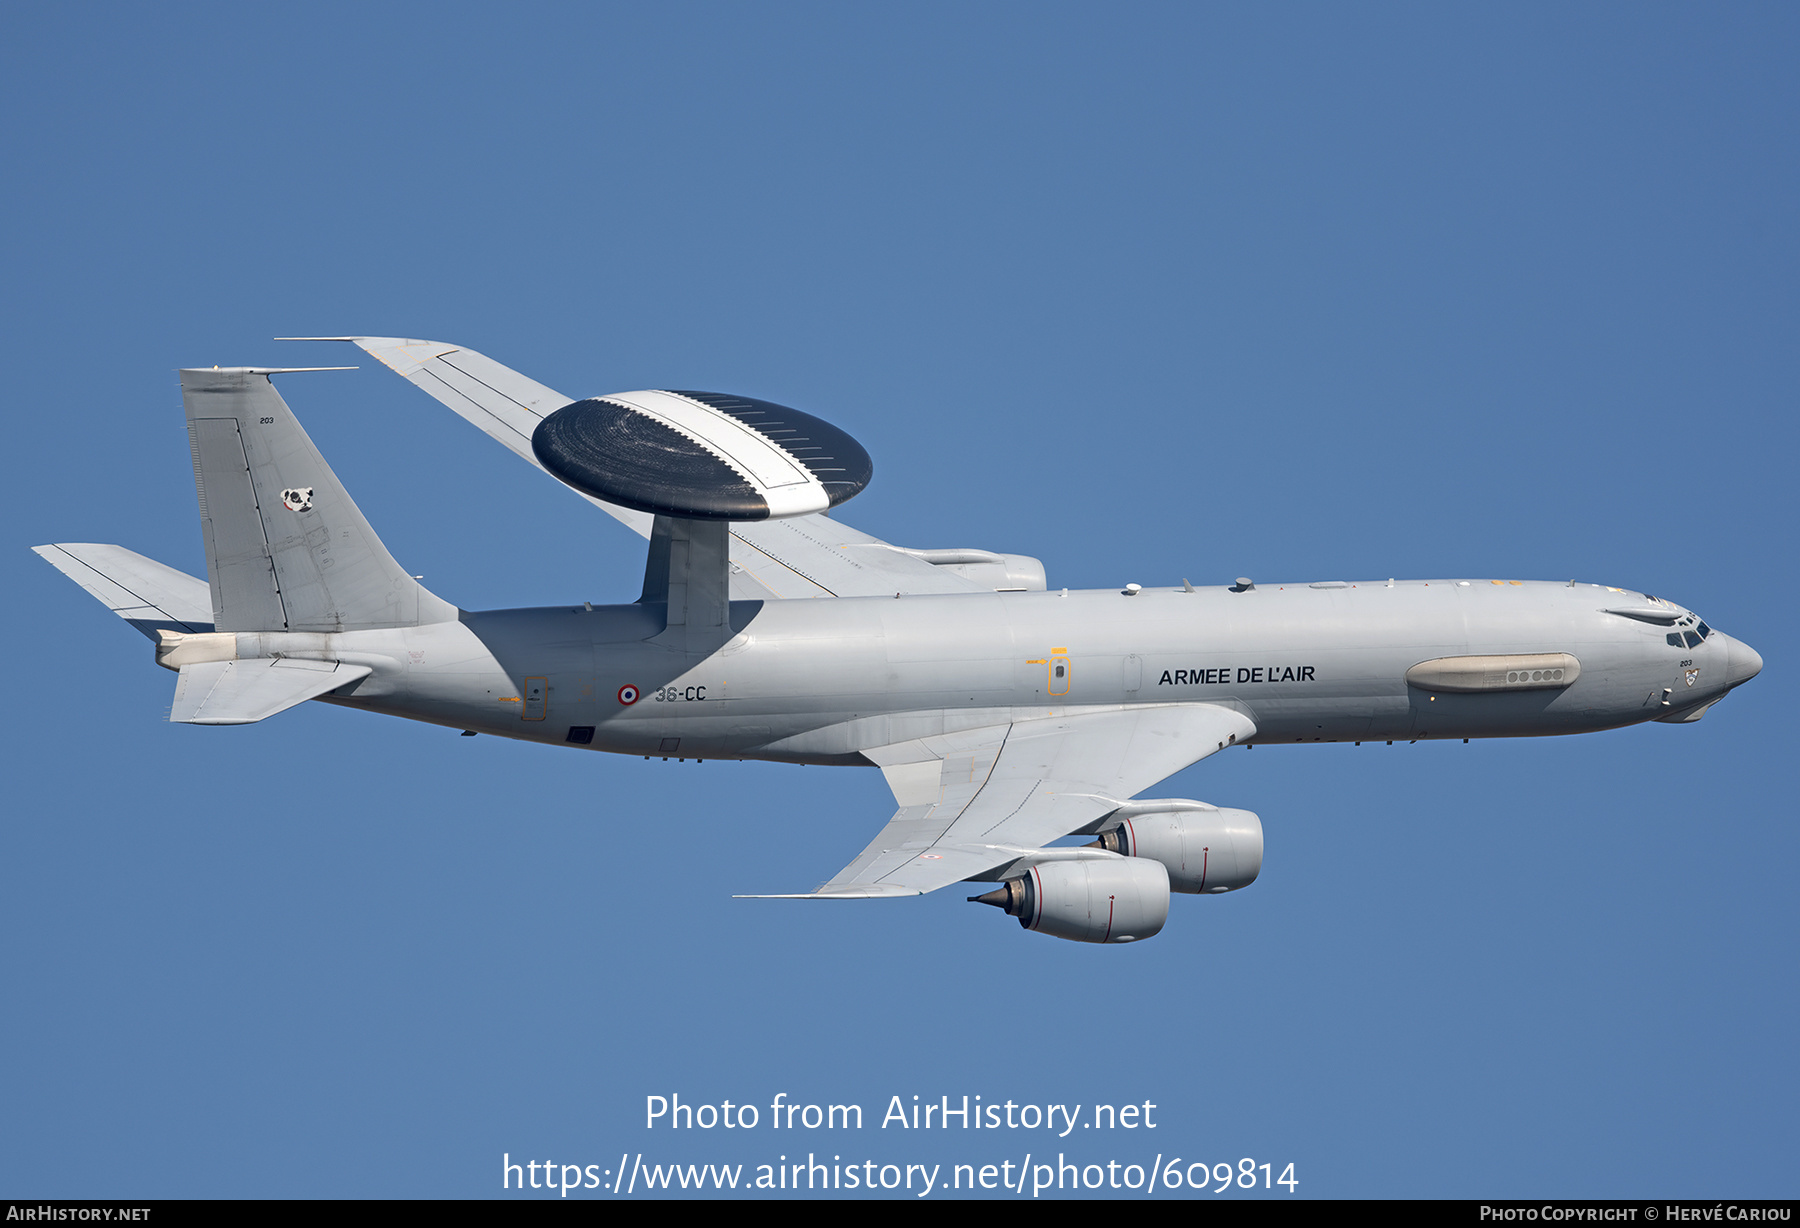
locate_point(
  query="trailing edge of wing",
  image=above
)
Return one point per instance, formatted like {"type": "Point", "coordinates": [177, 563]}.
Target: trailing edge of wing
{"type": "Point", "coordinates": [875, 891]}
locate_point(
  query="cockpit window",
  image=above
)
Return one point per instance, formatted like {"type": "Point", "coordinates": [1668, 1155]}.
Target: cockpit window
{"type": "Point", "coordinates": [1688, 639]}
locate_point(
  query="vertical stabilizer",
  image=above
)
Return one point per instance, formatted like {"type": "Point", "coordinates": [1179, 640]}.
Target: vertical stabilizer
{"type": "Point", "coordinates": [286, 547]}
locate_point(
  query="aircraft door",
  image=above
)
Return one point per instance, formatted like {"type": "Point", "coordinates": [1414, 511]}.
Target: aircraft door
{"type": "Point", "coordinates": [537, 699]}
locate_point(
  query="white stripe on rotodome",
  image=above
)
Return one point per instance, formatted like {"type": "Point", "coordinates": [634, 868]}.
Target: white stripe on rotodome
{"type": "Point", "coordinates": [788, 486]}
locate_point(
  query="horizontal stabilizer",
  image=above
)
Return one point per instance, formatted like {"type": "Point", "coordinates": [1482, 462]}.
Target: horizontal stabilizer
{"type": "Point", "coordinates": [244, 692]}
{"type": "Point", "coordinates": [145, 593]}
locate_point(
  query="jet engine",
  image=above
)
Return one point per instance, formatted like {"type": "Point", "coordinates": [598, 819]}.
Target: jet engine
{"type": "Point", "coordinates": [1206, 849]}
{"type": "Point", "coordinates": [1102, 899]}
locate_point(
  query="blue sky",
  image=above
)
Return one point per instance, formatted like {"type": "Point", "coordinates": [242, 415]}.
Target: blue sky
{"type": "Point", "coordinates": [1162, 291]}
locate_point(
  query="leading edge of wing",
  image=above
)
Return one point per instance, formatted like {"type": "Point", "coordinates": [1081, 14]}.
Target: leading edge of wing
{"type": "Point", "coordinates": [989, 799]}
{"type": "Point", "coordinates": [804, 556]}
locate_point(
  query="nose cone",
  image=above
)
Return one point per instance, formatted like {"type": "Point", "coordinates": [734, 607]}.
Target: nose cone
{"type": "Point", "coordinates": [1743, 664]}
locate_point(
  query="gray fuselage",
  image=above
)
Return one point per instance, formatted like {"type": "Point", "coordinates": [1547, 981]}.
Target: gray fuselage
{"type": "Point", "coordinates": [817, 681]}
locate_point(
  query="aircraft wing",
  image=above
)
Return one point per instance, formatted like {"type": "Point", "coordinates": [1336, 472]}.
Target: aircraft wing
{"type": "Point", "coordinates": [802, 556]}
{"type": "Point", "coordinates": [978, 803]}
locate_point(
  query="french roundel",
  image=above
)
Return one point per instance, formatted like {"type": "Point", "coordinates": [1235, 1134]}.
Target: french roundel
{"type": "Point", "coordinates": [628, 694]}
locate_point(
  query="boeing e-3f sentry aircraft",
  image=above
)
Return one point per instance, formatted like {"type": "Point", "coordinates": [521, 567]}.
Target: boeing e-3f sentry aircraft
{"type": "Point", "coordinates": [1003, 714]}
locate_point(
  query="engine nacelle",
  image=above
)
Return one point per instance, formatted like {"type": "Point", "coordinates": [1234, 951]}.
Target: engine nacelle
{"type": "Point", "coordinates": [1097, 900]}
{"type": "Point", "coordinates": [1206, 849]}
